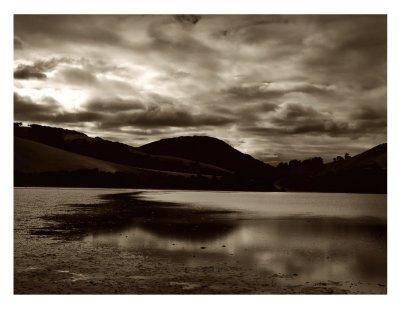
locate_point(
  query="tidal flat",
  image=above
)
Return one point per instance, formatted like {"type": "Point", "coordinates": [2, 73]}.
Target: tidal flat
{"type": "Point", "coordinates": [118, 241]}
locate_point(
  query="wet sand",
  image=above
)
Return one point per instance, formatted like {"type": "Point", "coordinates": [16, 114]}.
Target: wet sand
{"type": "Point", "coordinates": [88, 249]}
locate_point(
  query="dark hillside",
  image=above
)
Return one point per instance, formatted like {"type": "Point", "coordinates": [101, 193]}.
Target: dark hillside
{"type": "Point", "coordinates": [209, 150]}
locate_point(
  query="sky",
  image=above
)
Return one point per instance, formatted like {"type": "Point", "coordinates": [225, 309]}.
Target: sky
{"type": "Point", "coordinates": [275, 87]}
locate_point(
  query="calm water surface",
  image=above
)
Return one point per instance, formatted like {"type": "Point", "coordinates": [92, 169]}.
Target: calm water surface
{"type": "Point", "coordinates": [278, 204]}
{"type": "Point", "coordinates": [312, 236]}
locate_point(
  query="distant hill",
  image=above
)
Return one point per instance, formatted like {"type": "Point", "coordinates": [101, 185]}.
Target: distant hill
{"type": "Point", "coordinates": [37, 164]}
{"type": "Point", "coordinates": [115, 152]}
{"type": "Point", "coordinates": [372, 158]}
{"type": "Point", "coordinates": [48, 156]}
{"type": "Point", "coordinates": [365, 172]}
{"type": "Point", "coordinates": [31, 156]}
{"type": "Point", "coordinates": [211, 151]}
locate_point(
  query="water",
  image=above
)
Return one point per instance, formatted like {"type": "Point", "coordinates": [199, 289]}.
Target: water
{"type": "Point", "coordinates": [278, 204]}
{"type": "Point", "coordinates": [307, 237]}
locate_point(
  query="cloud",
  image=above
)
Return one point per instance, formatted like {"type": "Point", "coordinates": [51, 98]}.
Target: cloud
{"type": "Point", "coordinates": [294, 119]}
{"type": "Point", "coordinates": [27, 110]}
{"type": "Point", "coordinates": [289, 113]}
{"type": "Point", "coordinates": [180, 74]}
{"type": "Point", "coordinates": [369, 113]}
{"type": "Point", "coordinates": [77, 76]}
{"type": "Point", "coordinates": [169, 42]}
{"type": "Point", "coordinates": [299, 119]}
{"type": "Point", "coordinates": [80, 73]}
{"type": "Point", "coordinates": [112, 105]}
{"type": "Point", "coordinates": [40, 67]}
{"type": "Point", "coordinates": [188, 19]}
{"type": "Point", "coordinates": [156, 117]}
{"type": "Point", "coordinates": [351, 48]}
{"type": "Point", "coordinates": [265, 83]}
{"type": "Point", "coordinates": [75, 118]}
{"type": "Point", "coordinates": [67, 29]}
{"type": "Point", "coordinates": [255, 30]}
{"type": "Point", "coordinates": [48, 110]}
{"type": "Point", "coordinates": [18, 43]}
{"type": "Point", "coordinates": [52, 63]}
{"type": "Point", "coordinates": [271, 90]}
{"type": "Point", "coordinates": [114, 113]}
{"type": "Point", "coordinates": [24, 72]}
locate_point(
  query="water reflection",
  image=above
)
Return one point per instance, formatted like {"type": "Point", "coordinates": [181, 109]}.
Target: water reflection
{"type": "Point", "coordinates": [120, 212]}
{"type": "Point", "coordinates": [310, 250]}
{"type": "Point", "coordinates": [302, 248]}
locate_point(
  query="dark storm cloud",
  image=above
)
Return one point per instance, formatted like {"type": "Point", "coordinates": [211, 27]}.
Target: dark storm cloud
{"type": "Point", "coordinates": [39, 68]}
{"type": "Point", "coordinates": [112, 105]}
{"type": "Point", "coordinates": [49, 111]}
{"type": "Point", "coordinates": [69, 29]}
{"type": "Point", "coordinates": [267, 90]}
{"type": "Point", "coordinates": [28, 72]}
{"type": "Point", "coordinates": [251, 31]}
{"type": "Point", "coordinates": [188, 19]}
{"type": "Point", "coordinates": [172, 117]}
{"type": "Point", "coordinates": [350, 48]}
{"type": "Point", "coordinates": [179, 119]}
{"type": "Point", "coordinates": [113, 113]}
{"type": "Point", "coordinates": [369, 113]}
{"type": "Point", "coordinates": [297, 119]}
{"type": "Point", "coordinates": [369, 119]}
{"type": "Point", "coordinates": [26, 109]}
{"type": "Point", "coordinates": [315, 128]}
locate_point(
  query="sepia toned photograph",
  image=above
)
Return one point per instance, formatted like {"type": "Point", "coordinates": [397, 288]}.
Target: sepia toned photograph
{"type": "Point", "coordinates": [200, 154]}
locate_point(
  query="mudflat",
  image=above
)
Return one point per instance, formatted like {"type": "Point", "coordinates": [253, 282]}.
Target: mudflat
{"type": "Point", "coordinates": [118, 242]}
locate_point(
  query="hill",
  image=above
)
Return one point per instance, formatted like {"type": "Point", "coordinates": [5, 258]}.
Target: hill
{"type": "Point", "coordinates": [115, 152]}
{"type": "Point", "coordinates": [48, 156]}
{"type": "Point", "coordinates": [365, 173]}
{"type": "Point", "coordinates": [31, 156]}
{"type": "Point", "coordinates": [211, 151]}
{"type": "Point", "coordinates": [37, 164]}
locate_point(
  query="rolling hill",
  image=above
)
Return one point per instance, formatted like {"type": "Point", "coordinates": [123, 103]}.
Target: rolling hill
{"type": "Point", "coordinates": [34, 157]}
{"type": "Point", "coordinates": [31, 156]}
{"type": "Point", "coordinates": [365, 172]}
{"type": "Point", "coordinates": [115, 152]}
{"type": "Point", "coordinates": [211, 151]}
{"type": "Point", "coordinates": [37, 164]}
{"type": "Point", "coordinates": [48, 156]}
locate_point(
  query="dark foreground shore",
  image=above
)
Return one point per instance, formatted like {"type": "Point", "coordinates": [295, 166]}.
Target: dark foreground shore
{"type": "Point", "coordinates": [84, 249]}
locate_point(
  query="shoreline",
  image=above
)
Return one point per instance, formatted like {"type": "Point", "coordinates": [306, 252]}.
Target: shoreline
{"type": "Point", "coordinates": [196, 190]}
